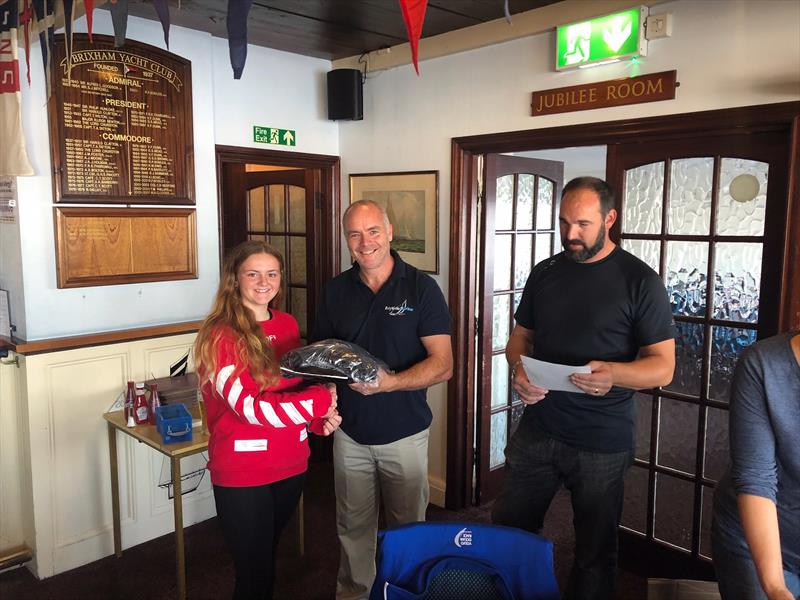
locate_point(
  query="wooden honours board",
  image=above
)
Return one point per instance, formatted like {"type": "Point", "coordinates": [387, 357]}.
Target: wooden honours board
{"type": "Point", "coordinates": [121, 124]}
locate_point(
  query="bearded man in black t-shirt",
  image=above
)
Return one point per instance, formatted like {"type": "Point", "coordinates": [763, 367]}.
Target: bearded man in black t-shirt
{"type": "Point", "coordinates": [592, 304]}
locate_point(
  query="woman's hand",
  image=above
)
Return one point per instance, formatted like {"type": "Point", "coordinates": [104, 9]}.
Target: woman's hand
{"type": "Point", "coordinates": [331, 424]}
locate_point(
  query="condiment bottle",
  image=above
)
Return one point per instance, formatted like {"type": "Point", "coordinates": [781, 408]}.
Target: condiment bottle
{"type": "Point", "coordinates": [155, 402]}
{"type": "Point", "coordinates": [130, 396]}
{"type": "Point", "coordinates": [141, 411]}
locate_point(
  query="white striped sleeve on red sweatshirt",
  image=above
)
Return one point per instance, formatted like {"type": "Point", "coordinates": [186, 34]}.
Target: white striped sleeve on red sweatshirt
{"type": "Point", "coordinates": [270, 407]}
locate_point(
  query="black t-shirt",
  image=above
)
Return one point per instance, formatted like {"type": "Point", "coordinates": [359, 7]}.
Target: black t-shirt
{"type": "Point", "coordinates": [578, 312]}
{"type": "Point", "coordinates": [388, 324]}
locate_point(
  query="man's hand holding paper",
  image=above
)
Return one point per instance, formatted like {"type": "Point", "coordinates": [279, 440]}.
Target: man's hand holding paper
{"type": "Point", "coordinates": [538, 377]}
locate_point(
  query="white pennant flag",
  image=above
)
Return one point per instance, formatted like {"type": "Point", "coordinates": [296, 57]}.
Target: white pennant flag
{"type": "Point", "coordinates": [13, 157]}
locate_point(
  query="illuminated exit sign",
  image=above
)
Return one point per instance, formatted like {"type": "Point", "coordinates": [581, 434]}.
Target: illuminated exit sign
{"type": "Point", "coordinates": [602, 40]}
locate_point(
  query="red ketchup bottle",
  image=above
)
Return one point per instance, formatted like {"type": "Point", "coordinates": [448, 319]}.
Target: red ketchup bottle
{"type": "Point", "coordinates": [141, 411]}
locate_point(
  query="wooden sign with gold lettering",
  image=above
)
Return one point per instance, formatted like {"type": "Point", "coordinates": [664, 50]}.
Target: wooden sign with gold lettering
{"type": "Point", "coordinates": [121, 124]}
{"type": "Point", "coordinates": [603, 94]}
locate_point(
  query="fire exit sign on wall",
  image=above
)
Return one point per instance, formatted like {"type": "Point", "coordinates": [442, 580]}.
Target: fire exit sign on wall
{"type": "Point", "coordinates": [603, 40]}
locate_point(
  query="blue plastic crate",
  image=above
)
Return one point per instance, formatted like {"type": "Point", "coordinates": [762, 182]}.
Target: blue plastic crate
{"type": "Point", "coordinates": [174, 423]}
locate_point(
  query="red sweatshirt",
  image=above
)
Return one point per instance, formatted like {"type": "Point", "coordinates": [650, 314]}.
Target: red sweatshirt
{"type": "Point", "coordinates": [258, 437]}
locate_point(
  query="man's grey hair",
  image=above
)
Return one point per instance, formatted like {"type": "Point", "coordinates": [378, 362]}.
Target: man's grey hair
{"type": "Point", "coordinates": [359, 203]}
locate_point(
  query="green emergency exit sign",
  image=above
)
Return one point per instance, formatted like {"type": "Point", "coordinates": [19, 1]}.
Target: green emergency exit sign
{"type": "Point", "coordinates": [274, 135]}
{"type": "Point", "coordinates": [598, 41]}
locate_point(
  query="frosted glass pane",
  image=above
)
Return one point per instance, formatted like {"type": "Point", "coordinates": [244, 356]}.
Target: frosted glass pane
{"type": "Point", "coordinates": [687, 268]}
{"type": "Point", "coordinates": [522, 259]}
{"type": "Point", "coordinates": [689, 205]}
{"type": "Point", "coordinates": [499, 380]}
{"type": "Point", "coordinates": [677, 435]}
{"type": "Point", "coordinates": [517, 299]}
{"type": "Point", "coordinates": [516, 415]}
{"type": "Point", "coordinates": [297, 209]}
{"type": "Point", "coordinates": [278, 242]}
{"type": "Point", "coordinates": [705, 521]}
{"type": "Point", "coordinates": [737, 281]}
{"type": "Point", "coordinates": [727, 344]}
{"type": "Point", "coordinates": [634, 508]}
{"type": "Point", "coordinates": [501, 317]}
{"type": "Point", "coordinates": [717, 451]}
{"type": "Point", "coordinates": [674, 509]}
{"type": "Point", "coordinates": [525, 202]}
{"type": "Point", "coordinates": [544, 204]}
{"type": "Point", "coordinates": [502, 262]}
{"type": "Point", "coordinates": [544, 247]}
{"type": "Point", "coordinates": [255, 204]}
{"type": "Point", "coordinates": [688, 359]}
{"type": "Point", "coordinates": [499, 437]}
{"type": "Point", "coordinates": [742, 201]}
{"type": "Point", "coordinates": [644, 197]}
{"type": "Point", "coordinates": [299, 309]}
{"type": "Point", "coordinates": [277, 210]}
{"type": "Point", "coordinates": [643, 405]}
{"type": "Point", "coordinates": [297, 260]}
{"type": "Point", "coordinates": [504, 202]}
{"type": "Point", "coordinates": [645, 250]}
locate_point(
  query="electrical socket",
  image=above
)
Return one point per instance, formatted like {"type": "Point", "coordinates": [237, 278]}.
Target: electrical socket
{"type": "Point", "coordinates": [658, 26]}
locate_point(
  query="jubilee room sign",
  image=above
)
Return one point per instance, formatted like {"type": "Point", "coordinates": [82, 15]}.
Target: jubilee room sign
{"type": "Point", "coordinates": [603, 94]}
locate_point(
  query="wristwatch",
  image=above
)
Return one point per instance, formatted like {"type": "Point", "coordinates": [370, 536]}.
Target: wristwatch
{"type": "Point", "coordinates": [514, 368]}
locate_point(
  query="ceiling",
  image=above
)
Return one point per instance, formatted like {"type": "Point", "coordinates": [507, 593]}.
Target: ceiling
{"type": "Point", "coordinates": [332, 29]}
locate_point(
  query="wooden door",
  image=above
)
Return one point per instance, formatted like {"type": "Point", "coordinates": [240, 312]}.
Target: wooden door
{"type": "Point", "coordinates": [709, 214]}
{"type": "Point", "coordinates": [519, 229]}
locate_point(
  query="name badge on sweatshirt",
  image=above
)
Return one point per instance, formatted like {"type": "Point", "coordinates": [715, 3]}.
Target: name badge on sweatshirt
{"type": "Point", "coordinates": [249, 445]}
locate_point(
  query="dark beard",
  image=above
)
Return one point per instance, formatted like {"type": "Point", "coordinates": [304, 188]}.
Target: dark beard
{"type": "Point", "coordinates": [586, 252]}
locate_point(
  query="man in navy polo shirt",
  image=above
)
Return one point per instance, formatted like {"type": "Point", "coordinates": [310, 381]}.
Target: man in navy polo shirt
{"type": "Point", "coordinates": [381, 449]}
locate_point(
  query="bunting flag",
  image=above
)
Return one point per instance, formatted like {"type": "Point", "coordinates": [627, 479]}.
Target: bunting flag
{"type": "Point", "coordinates": [45, 19]}
{"type": "Point", "coordinates": [414, 15]}
{"type": "Point", "coordinates": [119, 18]}
{"type": "Point", "coordinates": [237, 34]}
{"type": "Point", "coordinates": [13, 157]}
{"type": "Point", "coordinates": [88, 5]}
{"type": "Point", "coordinates": [162, 9]}
{"type": "Point", "coordinates": [25, 22]}
{"type": "Point", "coordinates": [69, 13]}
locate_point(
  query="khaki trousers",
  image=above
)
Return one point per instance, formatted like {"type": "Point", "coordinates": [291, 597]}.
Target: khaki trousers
{"type": "Point", "coordinates": [396, 473]}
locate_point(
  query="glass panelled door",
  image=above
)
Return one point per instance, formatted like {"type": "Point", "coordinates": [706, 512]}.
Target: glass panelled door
{"type": "Point", "coordinates": [277, 213]}
{"type": "Point", "coordinates": [707, 216]}
{"type": "Point", "coordinates": [519, 230]}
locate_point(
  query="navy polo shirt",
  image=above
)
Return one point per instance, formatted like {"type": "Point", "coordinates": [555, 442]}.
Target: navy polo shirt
{"type": "Point", "coordinates": [389, 325]}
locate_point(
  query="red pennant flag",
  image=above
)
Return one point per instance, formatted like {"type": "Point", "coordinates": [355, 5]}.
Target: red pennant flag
{"type": "Point", "coordinates": [414, 15]}
{"type": "Point", "coordinates": [89, 6]}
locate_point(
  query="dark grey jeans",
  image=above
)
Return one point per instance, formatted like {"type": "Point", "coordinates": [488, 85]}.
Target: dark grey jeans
{"type": "Point", "coordinates": [536, 467]}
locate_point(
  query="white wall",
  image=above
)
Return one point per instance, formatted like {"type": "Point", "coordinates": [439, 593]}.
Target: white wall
{"type": "Point", "coordinates": [278, 89]}
{"type": "Point", "coordinates": [727, 54]}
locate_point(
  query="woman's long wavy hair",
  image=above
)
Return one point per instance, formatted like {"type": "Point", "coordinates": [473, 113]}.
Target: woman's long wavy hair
{"type": "Point", "coordinates": [229, 315]}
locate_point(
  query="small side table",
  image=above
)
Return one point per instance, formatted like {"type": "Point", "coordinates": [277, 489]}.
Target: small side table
{"type": "Point", "coordinates": [149, 435]}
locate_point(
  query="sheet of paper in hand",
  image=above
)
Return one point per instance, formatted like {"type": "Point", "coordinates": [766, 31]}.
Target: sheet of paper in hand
{"type": "Point", "coordinates": [552, 376]}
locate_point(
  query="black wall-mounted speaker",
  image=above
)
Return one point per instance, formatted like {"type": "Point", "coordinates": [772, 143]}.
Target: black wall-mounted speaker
{"type": "Point", "coordinates": [345, 95]}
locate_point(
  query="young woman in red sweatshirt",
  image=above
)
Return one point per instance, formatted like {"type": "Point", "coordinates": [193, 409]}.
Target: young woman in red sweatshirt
{"type": "Point", "coordinates": [258, 420]}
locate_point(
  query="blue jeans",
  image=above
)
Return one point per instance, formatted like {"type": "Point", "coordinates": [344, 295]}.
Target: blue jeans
{"type": "Point", "coordinates": [536, 467]}
{"type": "Point", "coordinates": [737, 577]}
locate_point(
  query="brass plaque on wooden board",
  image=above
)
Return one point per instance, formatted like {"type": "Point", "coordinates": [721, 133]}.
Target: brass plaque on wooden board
{"type": "Point", "coordinates": [603, 94]}
{"type": "Point", "coordinates": [121, 124]}
{"type": "Point", "coordinates": [109, 246]}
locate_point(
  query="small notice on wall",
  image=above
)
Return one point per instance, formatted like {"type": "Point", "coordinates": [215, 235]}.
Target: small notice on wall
{"type": "Point", "coordinates": [604, 94]}
{"type": "Point", "coordinates": [8, 199]}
